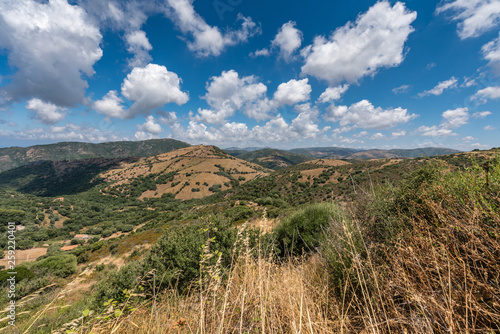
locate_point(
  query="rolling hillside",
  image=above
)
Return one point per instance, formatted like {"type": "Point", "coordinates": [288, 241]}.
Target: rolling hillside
{"type": "Point", "coordinates": [364, 154]}
{"type": "Point", "coordinates": [270, 158]}
{"type": "Point", "coordinates": [17, 156]}
{"type": "Point", "coordinates": [191, 172]}
{"type": "Point", "coordinates": [55, 178]}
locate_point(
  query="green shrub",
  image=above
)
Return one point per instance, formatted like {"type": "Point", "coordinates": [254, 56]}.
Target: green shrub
{"type": "Point", "coordinates": [106, 233]}
{"type": "Point", "coordinates": [126, 228]}
{"type": "Point", "coordinates": [94, 239]}
{"type": "Point", "coordinates": [118, 280]}
{"type": "Point", "coordinates": [77, 241]}
{"type": "Point", "coordinates": [215, 188]}
{"type": "Point", "coordinates": [176, 256]}
{"type": "Point", "coordinates": [21, 273]}
{"type": "Point", "coordinates": [10, 215]}
{"type": "Point", "coordinates": [59, 265]}
{"type": "Point", "coordinates": [303, 231]}
{"type": "Point", "coordinates": [24, 243]}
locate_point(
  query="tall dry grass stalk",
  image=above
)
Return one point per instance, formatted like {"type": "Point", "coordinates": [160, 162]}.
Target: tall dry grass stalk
{"type": "Point", "coordinates": [259, 296]}
{"type": "Point", "coordinates": [442, 279]}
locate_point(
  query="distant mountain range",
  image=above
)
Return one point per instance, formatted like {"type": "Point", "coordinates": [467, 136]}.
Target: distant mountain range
{"type": "Point", "coordinates": [278, 159]}
{"type": "Point", "coordinates": [13, 157]}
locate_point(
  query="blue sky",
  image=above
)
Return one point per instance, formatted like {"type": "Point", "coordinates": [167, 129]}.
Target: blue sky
{"type": "Point", "coordinates": [367, 74]}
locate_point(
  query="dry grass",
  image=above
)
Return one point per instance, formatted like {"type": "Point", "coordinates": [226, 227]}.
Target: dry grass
{"type": "Point", "coordinates": [259, 296]}
{"type": "Point", "coordinates": [443, 279]}
{"type": "Point", "coordinates": [24, 255]}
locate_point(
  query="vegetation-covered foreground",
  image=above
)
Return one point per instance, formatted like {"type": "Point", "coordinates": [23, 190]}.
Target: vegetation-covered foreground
{"type": "Point", "coordinates": [412, 249]}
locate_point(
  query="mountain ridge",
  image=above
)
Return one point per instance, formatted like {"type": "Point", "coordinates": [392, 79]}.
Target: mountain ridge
{"type": "Point", "coordinates": [12, 157]}
{"type": "Point", "coordinates": [272, 158]}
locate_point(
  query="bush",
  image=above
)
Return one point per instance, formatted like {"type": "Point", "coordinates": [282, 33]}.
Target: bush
{"type": "Point", "coordinates": [215, 188]}
{"type": "Point", "coordinates": [239, 213]}
{"type": "Point", "coordinates": [24, 243]}
{"type": "Point", "coordinates": [77, 241]}
{"type": "Point", "coordinates": [94, 239]}
{"type": "Point", "coordinates": [126, 228]}
{"type": "Point", "coordinates": [54, 249]}
{"type": "Point", "coordinates": [176, 256]}
{"type": "Point", "coordinates": [304, 230]}
{"type": "Point", "coordinates": [106, 233]}
{"type": "Point", "coordinates": [117, 281]}
{"type": "Point", "coordinates": [21, 273]}
{"type": "Point", "coordinates": [342, 244]}
{"type": "Point", "coordinates": [59, 265]}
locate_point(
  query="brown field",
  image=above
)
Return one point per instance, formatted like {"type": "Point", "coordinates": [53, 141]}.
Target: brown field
{"type": "Point", "coordinates": [24, 255]}
{"type": "Point", "coordinates": [312, 172]}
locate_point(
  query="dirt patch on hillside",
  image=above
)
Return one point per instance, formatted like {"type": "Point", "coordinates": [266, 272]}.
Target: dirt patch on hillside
{"type": "Point", "coordinates": [24, 255]}
{"type": "Point", "coordinates": [314, 173]}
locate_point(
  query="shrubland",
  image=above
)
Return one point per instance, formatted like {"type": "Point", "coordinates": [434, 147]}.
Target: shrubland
{"type": "Point", "coordinates": [414, 254]}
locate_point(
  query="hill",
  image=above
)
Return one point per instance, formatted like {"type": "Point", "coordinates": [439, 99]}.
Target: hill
{"type": "Point", "coordinates": [12, 157]}
{"type": "Point", "coordinates": [270, 158]}
{"type": "Point", "coordinates": [191, 172]}
{"type": "Point", "coordinates": [55, 178]}
{"type": "Point", "coordinates": [364, 154]}
{"type": "Point", "coordinates": [422, 152]}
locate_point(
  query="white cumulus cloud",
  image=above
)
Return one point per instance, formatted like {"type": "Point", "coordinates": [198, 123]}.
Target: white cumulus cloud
{"type": "Point", "coordinates": [435, 131]}
{"type": "Point", "coordinates": [455, 118]}
{"type": "Point", "coordinates": [333, 93]}
{"type": "Point", "coordinates": [111, 105]}
{"type": "Point", "coordinates": [260, 53]}
{"type": "Point", "coordinates": [150, 126]}
{"type": "Point", "coordinates": [149, 130]}
{"type": "Point", "coordinates": [139, 46]}
{"type": "Point", "coordinates": [287, 40]}
{"type": "Point", "coordinates": [292, 92]}
{"type": "Point", "coordinates": [47, 113]}
{"type": "Point", "coordinates": [398, 134]}
{"type": "Point", "coordinates": [376, 40]}
{"type": "Point", "coordinates": [149, 88]}
{"type": "Point", "coordinates": [401, 89]}
{"type": "Point", "coordinates": [276, 130]}
{"type": "Point", "coordinates": [364, 115]}
{"type": "Point", "coordinates": [485, 94]}
{"type": "Point", "coordinates": [51, 45]}
{"type": "Point", "coordinates": [67, 132]}
{"type": "Point", "coordinates": [481, 114]}
{"type": "Point", "coordinates": [207, 40]}
{"type": "Point", "coordinates": [227, 93]}
{"type": "Point", "coordinates": [452, 118]}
